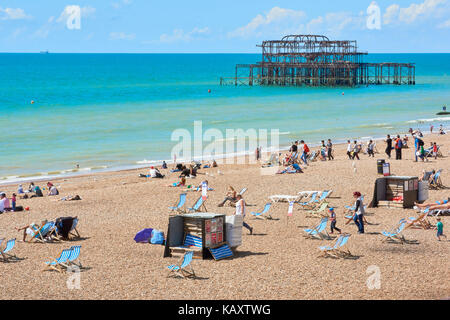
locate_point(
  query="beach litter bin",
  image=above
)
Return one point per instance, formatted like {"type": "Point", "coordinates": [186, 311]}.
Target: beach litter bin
{"type": "Point", "coordinates": [386, 169]}
{"type": "Point", "coordinates": [423, 191]}
{"type": "Point", "coordinates": [380, 163]}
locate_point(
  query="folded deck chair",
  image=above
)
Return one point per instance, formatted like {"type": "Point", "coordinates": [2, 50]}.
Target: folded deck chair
{"type": "Point", "coordinates": [199, 204]}
{"type": "Point", "coordinates": [182, 269]}
{"type": "Point", "coordinates": [313, 156]}
{"type": "Point", "coordinates": [60, 263]}
{"type": "Point", "coordinates": [396, 234]}
{"type": "Point", "coordinates": [192, 241]}
{"type": "Point", "coordinates": [221, 252]}
{"type": "Point", "coordinates": [319, 212]}
{"type": "Point", "coordinates": [6, 256]}
{"type": "Point", "coordinates": [284, 198]}
{"type": "Point", "coordinates": [327, 250]}
{"type": "Point", "coordinates": [243, 191]}
{"type": "Point", "coordinates": [263, 212]}
{"type": "Point", "coordinates": [181, 204]}
{"type": "Point", "coordinates": [318, 231]}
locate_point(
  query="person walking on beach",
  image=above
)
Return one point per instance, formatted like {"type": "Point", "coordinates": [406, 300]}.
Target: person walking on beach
{"type": "Point", "coordinates": [431, 129]}
{"type": "Point", "coordinates": [304, 148]}
{"type": "Point", "coordinates": [355, 150]}
{"type": "Point", "coordinates": [349, 150]}
{"type": "Point", "coordinates": [388, 146]}
{"type": "Point", "coordinates": [370, 148]}
{"type": "Point", "coordinates": [330, 150]}
{"type": "Point", "coordinates": [440, 229]}
{"type": "Point", "coordinates": [398, 148]}
{"type": "Point", "coordinates": [358, 216]}
{"type": "Point", "coordinates": [240, 210]}
{"type": "Point", "coordinates": [333, 221]}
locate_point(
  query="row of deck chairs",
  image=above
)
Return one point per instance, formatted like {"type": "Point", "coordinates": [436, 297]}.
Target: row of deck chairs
{"type": "Point", "coordinates": [198, 206]}
{"type": "Point", "coordinates": [66, 259]}
{"type": "Point", "coordinates": [429, 152]}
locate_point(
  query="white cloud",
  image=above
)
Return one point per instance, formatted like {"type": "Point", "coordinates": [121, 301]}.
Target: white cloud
{"type": "Point", "coordinates": [179, 35]}
{"type": "Point", "coordinates": [333, 23]}
{"type": "Point", "coordinates": [426, 9]}
{"type": "Point", "coordinates": [121, 36]}
{"type": "Point", "coordinates": [277, 20]}
{"type": "Point", "coordinates": [119, 4]}
{"type": "Point", "coordinates": [444, 25]}
{"type": "Point", "coordinates": [13, 14]}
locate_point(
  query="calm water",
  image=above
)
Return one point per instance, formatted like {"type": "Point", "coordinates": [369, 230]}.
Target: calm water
{"type": "Point", "coordinates": [119, 110]}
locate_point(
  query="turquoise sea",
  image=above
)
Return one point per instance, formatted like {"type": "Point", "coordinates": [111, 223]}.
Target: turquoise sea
{"type": "Point", "coordinates": [112, 111]}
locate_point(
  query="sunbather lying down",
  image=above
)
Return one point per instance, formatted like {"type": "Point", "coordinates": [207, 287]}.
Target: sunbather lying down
{"type": "Point", "coordinates": [70, 198]}
{"type": "Point", "coordinates": [295, 168]}
{"type": "Point", "coordinates": [435, 206]}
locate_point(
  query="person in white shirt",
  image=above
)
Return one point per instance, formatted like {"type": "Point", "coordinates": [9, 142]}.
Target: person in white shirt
{"type": "Point", "coordinates": [240, 210]}
{"type": "Point", "coordinates": [154, 173]}
{"type": "Point", "coordinates": [53, 191]}
{"type": "Point", "coordinates": [349, 149]}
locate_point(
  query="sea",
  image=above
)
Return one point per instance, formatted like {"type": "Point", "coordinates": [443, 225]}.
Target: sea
{"type": "Point", "coordinates": [69, 114]}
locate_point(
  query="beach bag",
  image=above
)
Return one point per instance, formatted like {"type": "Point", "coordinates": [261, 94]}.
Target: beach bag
{"type": "Point", "coordinates": [157, 237]}
{"type": "Point", "coordinates": [143, 236]}
{"type": "Point", "coordinates": [18, 208]}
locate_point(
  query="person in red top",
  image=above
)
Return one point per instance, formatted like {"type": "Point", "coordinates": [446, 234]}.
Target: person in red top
{"type": "Point", "coordinates": [435, 150]}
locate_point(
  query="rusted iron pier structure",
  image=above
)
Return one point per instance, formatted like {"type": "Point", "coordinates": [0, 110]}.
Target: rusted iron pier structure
{"type": "Point", "coordinates": [314, 60]}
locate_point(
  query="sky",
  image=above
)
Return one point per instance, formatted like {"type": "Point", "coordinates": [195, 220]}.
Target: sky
{"type": "Point", "coordinates": [212, 26]}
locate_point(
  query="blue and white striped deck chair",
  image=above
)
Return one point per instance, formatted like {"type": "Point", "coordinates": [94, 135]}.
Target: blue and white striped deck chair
{"type": "Point", "coordinates": [9, 246]}
{"type": "Point", "coordinates": [327, 250]}
{"type": "Point", "coordinates": [318, 231]}
{"type": "Point", "coordinates": [396, 234]}
{"type": "Point", "coordinates": [341, 250]}
{"type": "Point", "coordinates": [263, 212]}
{"type": "Point", "coordinates": [199, 204]}
{"type": "Point", "coordinates": [317, 202]}
{"type": "Point", "coordinates": [193, 241]}
{"type": "Point", "coordinates": [311, 200]}
{"type": "Point", "coordinates": [242, 191]}
{"type": "Point", "coordinates": [436, 182]}
{"type": "Point", "coordinates": [181, 203]}
{"type": "Point", "coordinates": [74, 256]}
{"type": "Point", "coordinates": [182, 269]}
{"type": "Point", "coordinates": [59, 263]}
{"type": "Point", "coordinates": [41, 233]}
{"type": "Point", "coordinates": [221, 252]}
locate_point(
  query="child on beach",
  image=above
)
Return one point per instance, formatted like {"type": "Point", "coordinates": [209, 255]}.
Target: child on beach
{"type": "Point", "coordinates": [435, 150]}
{"type": "Point", "coordinates": [13, 202]}
{"type": "Point", "coordinates": [440, 229]}
{"type": "Point", "coordinates": [333, 221]}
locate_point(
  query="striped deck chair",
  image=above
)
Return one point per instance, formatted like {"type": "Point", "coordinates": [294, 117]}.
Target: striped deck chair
{"type": "Point", "coordinates": [310, 201]}
{"type": "Point", "coordinates": [74, 256]}
{"type": "Point", "coordinates": [182, 269]}
{"type": "Point", "coordinates": [221, 252]}
{"type": "Point", "coordinates": [327, 250]}
{"type": "Point", "coordinates": [181, 203]}
{"type": "Point", "coordinates": [317, 202]}
{"type": "Point", "coordinates": [43, 232]}
{"type": "Point", "coordinates": [319, 212]}
{"type": "Point", "coordinates": [6, 256]}
{"type": "Point", "coordinates": [318, 231]}
{"type": "Point", "coordinates": [313, 156]}
{"type": "Point", "coordinates": [396, 234]}
{"type": "Point", "coordinates": [420, 221]}
{"type": "Point", "coordinates": [263, 212]}
{"type": "Point", "coordinates": [436, 182]}
{"type": "Point", "coordinates": [242, 191]}
{"type": "Point", "coordinates": [342, 251]}
{"type": "Point", "coordinates": [60, 263]}
{"type": "Point", "coordinates": [193, 241]}
{"type": "Point", "coordinates": [198, 205]}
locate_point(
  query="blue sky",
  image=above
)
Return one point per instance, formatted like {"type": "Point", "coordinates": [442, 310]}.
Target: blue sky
{"type": "Point", "coordinates": [210, 26]}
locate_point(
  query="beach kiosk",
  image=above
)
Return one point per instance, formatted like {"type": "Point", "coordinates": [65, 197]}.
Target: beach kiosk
{"type": "Point", "coordinates": [198, 232]}
{"type": "Point", "coordinates": [396, 192]}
